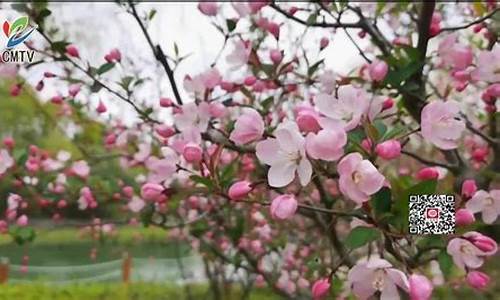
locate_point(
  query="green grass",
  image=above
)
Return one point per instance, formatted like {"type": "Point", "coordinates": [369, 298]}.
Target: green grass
{"type": "Point", "coordinates": [66, 247]}
{"type": "Point", "coordinates": [118, 291]}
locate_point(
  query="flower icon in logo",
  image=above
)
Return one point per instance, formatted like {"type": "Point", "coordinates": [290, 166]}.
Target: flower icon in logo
{"type": "Point", "coordinates": [18, 31]}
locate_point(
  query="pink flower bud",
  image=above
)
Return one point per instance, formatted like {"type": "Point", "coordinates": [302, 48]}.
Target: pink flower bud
{"type": "Point", "coordinates": [428, 173]}
{"type": "Point", "coordinates": [274, 29]}
{"type": "Point", "coordinates": [387, 104]}
{"type": "Point", "coordinates": [57, 99]}
{"type": "Point", "coordinates": [250, 80]}
{"type": "Point", "coordinates": [101, 108]}
{"type": "Point", "coordinates": [494, 90]}
{"type": "Point", "coordinates": [22, 221]}
{"type": "Point", "coordinates": [283, 207]}
{"type": "Point", "coordinates": [276, 56]}
{"type": "Point", "coordinates": [469, 188]}
{"type": "Point", "coordinates": [480, 154]}
{"type": "Point", "coordinates": [39, 86]}
{"type": "Point", "coordinates": [464, 217]}
{"type": "Point", "coordinates": [74, 89]}
{"type": "Point", "coordinates": [164, 131]}
{"type": "Point", "coordinates": [15, 90]}
{"type": "Point", "coordinates": [71, 50]}
{"type": "Point", "coordinates": [255, 6]}
{"type": "Point", "coordinates": [128, 191]}
{"type": "Point", "coordinates": [362, 34]}
{"type": "Point", "coordinates": [389, 149]}
{"type": "Point", "coordinates": [478, 280]}
{"type": "Point", "coordinates": [239, 190]}
{"type": "Point", "coordinates": [4, 227]}
{"type": "Point", "coordinates": [367, 145]}
{"type": "Point", "coordinates": [293, 10]}
{"type": "Point", "coordinates": [152, 191]}
{"type": "Point", "coordinates": [49, 75]}
{"type": "Point", "coordinates": [192, 152]}
{"type": "Point", "coordinates": [110, 139]}
{"type": "Point", "coordinates": [9, 142]}
{"type": "Point", "coordinates": [62, 204]}
{"type": "Point", "coordinates": [482, 242]}
{"type": "Point", "coordinates": [113, 56]}
{"type": "Point", "coordinates": [208, 8]}
{"type": "Point", "coordinates": [228, 86]}
{"type": "Point", "coordinates": [323, 43]}
{"type": "Point", "coordinates": [378, 70]}
{"type": "Point", "coordinates": [320, 288]}
{"type": "Point", "coordinates": [165, 102]}
{"type": "Point", "coordinates": [420, 287]}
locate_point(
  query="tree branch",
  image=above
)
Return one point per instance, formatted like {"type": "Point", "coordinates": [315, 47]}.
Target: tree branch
{"type": "Point", "coordinates": [477, 21]}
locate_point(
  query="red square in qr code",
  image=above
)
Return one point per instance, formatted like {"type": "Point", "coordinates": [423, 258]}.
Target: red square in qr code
{"type": "Point", "coordinates": [432, 213]}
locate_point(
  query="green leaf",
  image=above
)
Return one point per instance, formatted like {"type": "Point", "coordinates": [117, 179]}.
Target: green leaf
{"type": "Point", "coordinates": [59, 46]}
{"type": "Point", "coordinates": [401, 205]}
{"type": "Point", "coordinates": [382, 201]}
{"type": "Point", "coordinates": [96, 87]}
{"type": "Point", "coordinates": [152, 14]}
{"type": "Point", "coordinates": [23, 235]}
{"type": "Point", "coordinates": [231, 24]}
{"type": "Point", "coordinates": [105, 68]}
{"type": "Point", "coordinates": [312, 19]}
{"type": "Point", "coordinates": [125, 83]}
{"type": "Point", "coordinates": [394, 132]}
{"type": "Point", "coordinates": [202, 180]}
{"type": "Point", "coordinates": [445, 263]}
{"type": "Point", "coordinates": [266, 103]}
{"type": "Point", "coordinates": [360, 236]}
{"type": "Point", "coordinates": [396, 77]}
{"type": "Point", "coordinates": [312, 69]}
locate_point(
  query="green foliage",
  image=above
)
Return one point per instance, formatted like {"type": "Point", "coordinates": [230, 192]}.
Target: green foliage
{"type": "Point", "coordinates": [119, 291]}
{"type": "Point", "coordinates": [360, 236]}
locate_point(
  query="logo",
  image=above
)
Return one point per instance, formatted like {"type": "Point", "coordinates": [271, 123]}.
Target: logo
{"type": "Point", "coordinates": [432, 213]}
{"type": "Point", "coordinates": [17, 32]}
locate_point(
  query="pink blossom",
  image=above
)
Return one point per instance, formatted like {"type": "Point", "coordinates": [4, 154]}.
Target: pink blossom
{"type": "Point", "coordinates": [113, 56]}
{"type": "Point", "coordinates": [486, 203]}
{"type": "Point", "coordinates": [420, 287]}
{"type": "Point", "coordinates": [347, 109]}
{"type": "Point", "coordinates": [202, 82]}
{"type": "Point", "coordinates": [136, 204]}
{"type": "Point", "coordinates": [465, 254]}
{"type": "Point", "coordinates": [488, 64]}
{"type": "Point", "coordinates": [239, 190]}
{"type": "Point", "coordinates": [71, 50]}
{"type": "Point", "coordinates": [161, 170]}
{"type": "Point", "coordinates": [74, 89]}
{"type": "Point", "coordinates": [240, 54]}
{"type": "Point", "coordinates": [375, 274]}
{"type": "Point", "coordinates": [164, 131]}
{"type": "Point", "coordinates": [378, 70]}
{"type": "Point", "coordinates": [217, 109]}
{"type": "Point", "coordinates": [389, 149]}
{"type": "Point", "coordinates": [274, 29]}
{"type": "Point", "coordinates": [469, 188]}
{"type": "Point", "coordinates": [81, 169]}
{"type": "Point", "coordinates": [358, 178]}
{"type": "Point", "coordinates": [192, 152]}
{"type": "Point", "coordinates": [286, 155]}
{"type": "Point", "coordinates": [464, 217]}
{"type": "Point", "coordinates": [440, 125]}
{"type": "Point", "coordinates": [320, 288]}
{"type": "Point", "coordinates": [193, 116]}
{"type": "Point", "coordinates": [6, 161]}
{"type": "Point", "coordinates": [283, 207]}
{"type": "Point", "coordinates": [208, 8]}
{"type": "Point", "coordinates": [328, 144]}
{"type": "Point", "coordinates": [151, 191]}
{"type": "Point", "coordinates": [453, 54]}
{"type": "Point", "coordinates": [22, 221]}
{"type": "Point", "coordinates": [143, 153]}
{"type": "Point", "coordinates": [249, 127]}
{"type": "Point", "coordinates": [478, 280]}
{"type": "Point", "coordinates": [86, 199]}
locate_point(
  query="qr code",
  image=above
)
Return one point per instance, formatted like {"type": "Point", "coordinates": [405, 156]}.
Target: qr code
{"type": "Point", "coordinates": [431, 214]}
